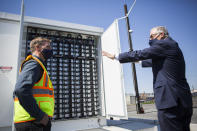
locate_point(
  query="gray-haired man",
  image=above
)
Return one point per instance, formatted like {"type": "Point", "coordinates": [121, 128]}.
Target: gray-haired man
{"type": "Point", "coordinates": [172, 93]}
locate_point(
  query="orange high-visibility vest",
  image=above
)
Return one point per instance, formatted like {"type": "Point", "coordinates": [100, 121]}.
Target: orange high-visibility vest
{"type": "Point", "coordinates": [43, 94]}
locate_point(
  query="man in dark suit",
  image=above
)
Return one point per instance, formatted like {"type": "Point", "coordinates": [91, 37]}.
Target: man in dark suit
{"type": "Point", "coordinates": [172, 93]}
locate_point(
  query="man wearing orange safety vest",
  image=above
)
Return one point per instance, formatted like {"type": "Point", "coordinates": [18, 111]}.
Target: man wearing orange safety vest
{"type": "Point", "coordinates": [33, 94]}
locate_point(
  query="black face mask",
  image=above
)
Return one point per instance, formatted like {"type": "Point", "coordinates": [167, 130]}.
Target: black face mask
{"type": "Point", "coordinates": [152, 41]}
{"type": "Point", "coordinates": [47, 53]}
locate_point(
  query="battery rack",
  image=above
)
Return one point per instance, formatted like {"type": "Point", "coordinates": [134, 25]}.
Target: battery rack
{"type": "Point", "coordinates": [73, 71]}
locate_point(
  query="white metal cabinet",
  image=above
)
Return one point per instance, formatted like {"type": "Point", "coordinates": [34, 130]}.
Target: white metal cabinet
{"type": "Point", "coordinates": [112, 99]}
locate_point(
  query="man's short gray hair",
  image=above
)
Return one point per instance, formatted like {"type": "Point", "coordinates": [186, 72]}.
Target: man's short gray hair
{"type": "Point", "coordinates": [160, 29]}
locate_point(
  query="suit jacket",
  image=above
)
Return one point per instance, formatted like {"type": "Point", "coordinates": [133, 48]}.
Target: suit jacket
{"type": "Point", "coordinates": [168, 66]}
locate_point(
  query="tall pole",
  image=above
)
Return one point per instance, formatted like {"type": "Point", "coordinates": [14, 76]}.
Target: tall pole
{"type": "Point", "coordinates": [20, 36]}
{"type": "Point", "coordinates": [138, 107]}
{"type": "Point", "coordinates": [19, 48]}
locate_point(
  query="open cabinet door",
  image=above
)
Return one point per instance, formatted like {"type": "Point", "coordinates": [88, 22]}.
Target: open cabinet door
{"type": "Point", "coordinates": [113, 75]}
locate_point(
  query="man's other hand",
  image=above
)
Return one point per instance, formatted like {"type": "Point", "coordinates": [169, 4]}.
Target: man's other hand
{"type": "Point", "coordinates": [44, 120]}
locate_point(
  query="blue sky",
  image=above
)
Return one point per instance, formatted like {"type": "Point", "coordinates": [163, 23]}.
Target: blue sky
{"type": "Point", "coordinates": [179, 16]}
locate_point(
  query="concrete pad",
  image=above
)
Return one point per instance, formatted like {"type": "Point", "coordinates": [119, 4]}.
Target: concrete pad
{"type": "Point", "coordinates": [132, 126]}
{"type": "Point", "coordinates": [114, 128]}
{"type": "Point", "coordinates": [97, 129]}
{"type": "Point", "coordinates": [193, 127]}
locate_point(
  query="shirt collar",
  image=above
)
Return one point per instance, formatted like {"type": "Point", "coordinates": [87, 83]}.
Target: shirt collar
{"type": "Point", "coordinates": [44, 63]}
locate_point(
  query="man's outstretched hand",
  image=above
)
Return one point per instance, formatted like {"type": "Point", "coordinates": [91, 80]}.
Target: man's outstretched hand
{"type": "Point", "coordinates": [111, 56]}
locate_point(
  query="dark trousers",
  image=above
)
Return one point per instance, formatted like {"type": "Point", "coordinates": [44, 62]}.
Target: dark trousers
{"type": "Point", "coordinates": [32, 126]}
{"type": "Point", "coordinates": [175, 119]}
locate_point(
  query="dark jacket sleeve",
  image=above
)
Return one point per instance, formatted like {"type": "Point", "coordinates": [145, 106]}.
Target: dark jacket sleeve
{"type": "Point", "coordinates": [31, 73]}
{"type": "Point", "coordinates": [154, 51]}
{"type": "Point", "coordinates": [147, 63]}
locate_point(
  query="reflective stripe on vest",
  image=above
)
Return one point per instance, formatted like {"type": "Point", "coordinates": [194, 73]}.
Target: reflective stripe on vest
{"type": "Point", "coordinates": [42, 92]}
